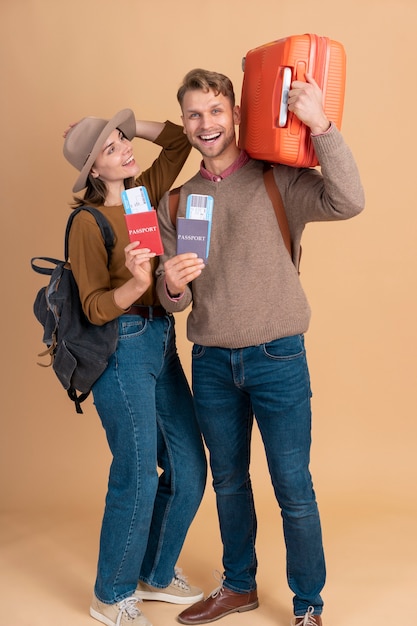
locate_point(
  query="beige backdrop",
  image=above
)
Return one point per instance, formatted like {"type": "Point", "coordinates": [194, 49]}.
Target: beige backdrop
{"type": "Point", "coordinates": [61, 61]}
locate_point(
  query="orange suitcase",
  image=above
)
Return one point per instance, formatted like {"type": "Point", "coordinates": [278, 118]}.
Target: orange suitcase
{"type": "Point", "coordinates": [268, 131]}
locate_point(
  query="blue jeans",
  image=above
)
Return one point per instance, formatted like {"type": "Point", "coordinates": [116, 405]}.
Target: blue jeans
{"type": "Point", "coordinates": [147, 411]}
{"type": "Point", "coordinates": [272, 383]}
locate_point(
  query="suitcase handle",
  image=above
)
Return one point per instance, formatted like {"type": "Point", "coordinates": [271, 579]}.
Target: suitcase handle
{"type": "Point", "coordinates": [283, 106]}
{"type": "Point", "coordinates": [299, 74]}
{"type": "Point", "coordinates": [293, 122]}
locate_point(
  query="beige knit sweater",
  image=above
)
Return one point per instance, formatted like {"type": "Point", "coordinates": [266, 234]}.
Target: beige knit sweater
{"type": "Point", "coordinates": [249, 292]}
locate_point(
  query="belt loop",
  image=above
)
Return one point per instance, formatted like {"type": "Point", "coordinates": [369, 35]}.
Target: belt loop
{"type": "Point", "coordinates": [150, 313]}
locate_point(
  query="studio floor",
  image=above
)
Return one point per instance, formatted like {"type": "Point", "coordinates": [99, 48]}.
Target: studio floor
{"type": "Point", "coordinates": [47, 566]}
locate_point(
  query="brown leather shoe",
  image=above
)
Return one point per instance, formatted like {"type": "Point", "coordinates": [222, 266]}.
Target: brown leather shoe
{"type": "Point", "coordinates": [220, 603]}
{"type": "Point", "coordinates": [309, 619]}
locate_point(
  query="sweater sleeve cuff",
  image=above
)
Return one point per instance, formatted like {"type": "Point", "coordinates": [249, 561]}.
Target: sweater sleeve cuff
{"type": "Point", "coordinates": [325, 132]}
{"type": "Point", "coordinates": [173, 298]}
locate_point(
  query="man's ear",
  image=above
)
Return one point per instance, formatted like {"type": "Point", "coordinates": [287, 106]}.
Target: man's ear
{"type": "Point", "coordinates": [236, 115]}
{"type": "Point", "coordinates": [183, 126]}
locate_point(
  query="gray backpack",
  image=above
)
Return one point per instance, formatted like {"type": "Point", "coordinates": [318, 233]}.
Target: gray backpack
{"type": "Point", "coordinates": [79, 350]}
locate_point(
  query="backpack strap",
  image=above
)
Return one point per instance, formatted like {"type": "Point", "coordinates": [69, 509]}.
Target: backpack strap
{"type": "Point", "coordinates": [273, 193]}
{"type": "Point", "coordinates": [173, 201]}
{"type": "Point", "coordinates": [40, 268]}
{"type": "Point", "coordinates": [105, 229]}
{"type": "Point", "coordinates": [275, 197]}
{"type": "Point", "coordinates": [77, 399]}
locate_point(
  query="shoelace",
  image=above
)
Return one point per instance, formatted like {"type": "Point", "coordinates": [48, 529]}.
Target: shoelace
{"type": "Point", "coordinates": [308, 619]}
{"type": "Point", "coordinates": [128, 606]}
{"type": "Point", "coordinates": [219, 590]}
{"type": "Point", "coordinates": [180, 580]}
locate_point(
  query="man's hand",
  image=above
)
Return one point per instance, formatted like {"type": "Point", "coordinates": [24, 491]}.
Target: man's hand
{"type": "Point", "coordinates": [305, 100]}
{"type": "Point", "coordinates": [181, 270]}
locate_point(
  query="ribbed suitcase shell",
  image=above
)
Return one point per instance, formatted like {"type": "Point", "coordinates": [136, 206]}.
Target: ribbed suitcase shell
{"type": "Point", "coordinates": [263, 67]}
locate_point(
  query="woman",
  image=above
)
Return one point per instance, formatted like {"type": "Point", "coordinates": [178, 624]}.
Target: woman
{"type": "Point", "coordinates": [142, 398]}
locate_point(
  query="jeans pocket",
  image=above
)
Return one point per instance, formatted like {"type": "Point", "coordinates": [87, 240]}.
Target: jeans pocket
{"type": "Point", "coordinates": [198, 351]}
{"type": "Point", "coordinates": [285, 349]}
{"type": "Point", "coordinates": [132, 327]}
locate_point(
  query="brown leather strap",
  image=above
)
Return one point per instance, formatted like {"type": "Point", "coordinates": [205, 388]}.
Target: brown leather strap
{"type": "Point", "coordinates": [275, 197]}
{"type": "Point", "coordinates": [174, 198]}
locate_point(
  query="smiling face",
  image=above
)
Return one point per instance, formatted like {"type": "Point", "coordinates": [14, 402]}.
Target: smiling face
{"type": "Point", "coordinates": [209, 121]}
{"type": "Point", "coordinates": [115, 161]}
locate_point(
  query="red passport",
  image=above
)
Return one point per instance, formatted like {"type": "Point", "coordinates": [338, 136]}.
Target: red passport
{"type": "Point", "coordinates": [144, 227]}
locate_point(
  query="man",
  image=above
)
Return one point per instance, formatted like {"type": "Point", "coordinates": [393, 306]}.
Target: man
{"type": "Point", "coordinates": [248, 317]}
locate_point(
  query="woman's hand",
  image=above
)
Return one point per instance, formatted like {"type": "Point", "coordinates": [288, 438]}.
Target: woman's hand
{"type": "Point", "coordinates": [67, 130]}
{"type": "Point", "coordinates": [138, 262]}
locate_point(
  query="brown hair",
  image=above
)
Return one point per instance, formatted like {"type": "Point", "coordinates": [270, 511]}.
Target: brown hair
{"type": "Point", "coordinates": [96, 192]}
{"type": "Point", "coordinates": [206, 80]}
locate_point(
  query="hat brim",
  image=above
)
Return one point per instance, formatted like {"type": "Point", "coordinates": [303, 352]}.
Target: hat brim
{"type": "Point", "coordinates": [126, 122]}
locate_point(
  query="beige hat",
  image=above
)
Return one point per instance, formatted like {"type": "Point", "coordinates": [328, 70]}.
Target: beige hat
{"type": "Point", "coordinates": [84, 141]}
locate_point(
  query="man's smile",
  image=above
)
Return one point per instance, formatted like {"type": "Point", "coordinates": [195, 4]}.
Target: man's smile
{"type": "Point", "coordinates": [209, 138]}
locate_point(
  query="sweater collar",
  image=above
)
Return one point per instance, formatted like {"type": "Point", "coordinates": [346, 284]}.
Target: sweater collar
{"type": "Point", "coordinates": [241, 160]}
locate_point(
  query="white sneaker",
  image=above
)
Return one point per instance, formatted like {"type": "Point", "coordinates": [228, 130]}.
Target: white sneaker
{"type": "Point", "coordinates": [308, 619]}
{"type": "Point", "coordinates": [177, 592]}
{"type": "Point", "coordinates": [124, 613]}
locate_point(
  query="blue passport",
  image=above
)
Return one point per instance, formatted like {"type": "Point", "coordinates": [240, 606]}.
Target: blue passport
{"type": "Point", "coordinates": [192, 236]}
